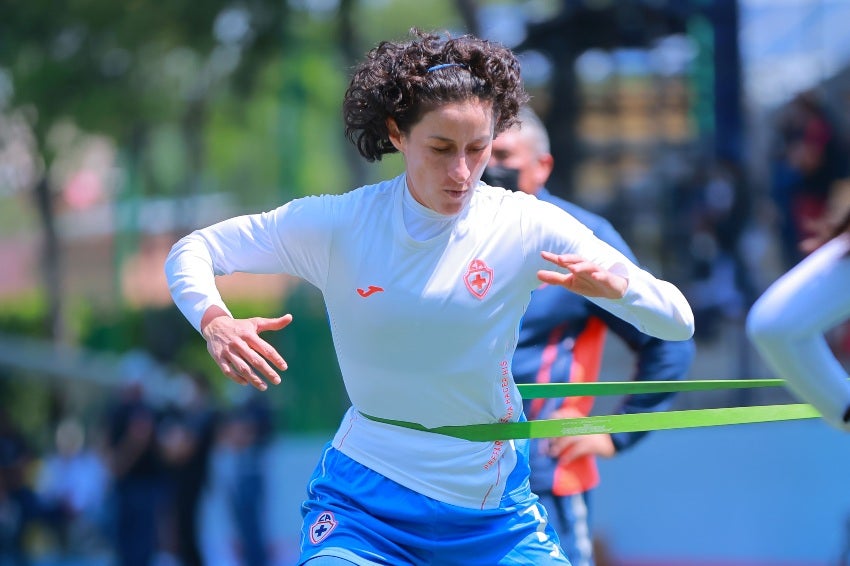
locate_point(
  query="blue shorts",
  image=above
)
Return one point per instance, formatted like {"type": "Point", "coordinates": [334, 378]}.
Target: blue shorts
{"type": "Point", "coordinates": [356, 513]}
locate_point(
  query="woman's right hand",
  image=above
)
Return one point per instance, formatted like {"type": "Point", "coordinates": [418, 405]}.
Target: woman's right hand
{"type": "Point", "coordinates": [235, 345]}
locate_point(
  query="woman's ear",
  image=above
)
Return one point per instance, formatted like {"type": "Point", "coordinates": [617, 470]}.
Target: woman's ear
{"type": "Point", "coordinates": [394, 134]}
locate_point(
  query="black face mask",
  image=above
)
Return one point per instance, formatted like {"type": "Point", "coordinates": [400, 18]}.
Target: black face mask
{"type": "Point", "coordinates": [497, 176]}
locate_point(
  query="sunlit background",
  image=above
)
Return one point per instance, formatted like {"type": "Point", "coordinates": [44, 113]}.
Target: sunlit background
{"type": "Point", "coordinates": [125, 125]}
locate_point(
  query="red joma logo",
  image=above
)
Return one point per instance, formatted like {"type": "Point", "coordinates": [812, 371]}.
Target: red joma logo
{"type": "Point", "coordinates": [371, 290]}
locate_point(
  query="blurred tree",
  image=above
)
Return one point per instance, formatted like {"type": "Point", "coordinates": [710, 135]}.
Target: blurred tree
{"type": "Point", "coordinates": [117, 69]}
{"type": "Point", "coordinates": [349, 47]}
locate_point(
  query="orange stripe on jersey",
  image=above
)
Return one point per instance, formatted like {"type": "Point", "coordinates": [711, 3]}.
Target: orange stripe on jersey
{"type": "Point", "coordinates": [544, 373]}
{"type": "Point", "coordinates": [587, 361]}
{"type": "Point", "coordinates": [582, 474]}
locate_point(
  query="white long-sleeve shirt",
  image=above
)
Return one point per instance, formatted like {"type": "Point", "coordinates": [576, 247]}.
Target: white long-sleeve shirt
{"type": "Point", "coordinates": [788, 322]}
{"type": "Point", "coordinates": [424, 331]}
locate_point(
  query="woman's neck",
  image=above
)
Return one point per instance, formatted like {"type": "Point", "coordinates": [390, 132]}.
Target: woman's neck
{"type": "Point", "coordinates": [421, 222]}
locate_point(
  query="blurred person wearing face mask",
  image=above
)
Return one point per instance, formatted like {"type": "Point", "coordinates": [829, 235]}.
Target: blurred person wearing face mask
{"type": "Point", "coordinates": [561, 340]}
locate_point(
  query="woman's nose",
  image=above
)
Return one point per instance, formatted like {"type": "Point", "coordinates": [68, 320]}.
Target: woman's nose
{"type": "Point", "coordinates": [459, 169]}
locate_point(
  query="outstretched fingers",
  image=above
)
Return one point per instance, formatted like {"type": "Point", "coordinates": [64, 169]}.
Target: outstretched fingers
{"type": "Point", "coordinates": [241, 354]}
{"type": "Point", "coordinates": [562, 260]}
{"type": "Point", "coordinates": [574, 263]}
{"type": "Point", "coordinates": [228, 369]}
{"type": "Point", "coordinates": [584, 277]}
{"type": "Point", "coordinates": [278, 323]}
{"type": "Point", "coordinates": [252, 356]}
{"type": "Point", "coordinates": [247, 363]}
{"type": "Point", "coordinates": [554, 278]}
{"type": "Point", "coordinates": [264, 348]}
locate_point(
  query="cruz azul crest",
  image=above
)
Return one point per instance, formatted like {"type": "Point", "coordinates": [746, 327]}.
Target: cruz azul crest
{"type": "Point", "coordinates": [478, 278]}
{"type": "Point", "coordinates": [322, 527]}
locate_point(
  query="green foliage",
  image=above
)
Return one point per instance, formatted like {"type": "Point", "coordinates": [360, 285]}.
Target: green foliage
{"type": "Point", "coordinates": [28, 405]}
{"type": "Point", "coordinates": [378, 21]}
{"type": "Point", "coordinates": [126, 70]}
{"type": "Point", "coordinates": [242, 141]}
{"type": "Point", "coordinates": [266, 107]}
{"type": "Point", "coordinates": [26, 316]}
{"type": "Point", "coordinates": [321, 138]}
{"type": "Point", "coordinates": [315, 397]}
{"type": "Point", "coordinates": [167, 156]}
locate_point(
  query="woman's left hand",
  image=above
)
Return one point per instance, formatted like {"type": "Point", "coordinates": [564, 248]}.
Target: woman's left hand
{"type": "Point", "coordinates": [585, 278]}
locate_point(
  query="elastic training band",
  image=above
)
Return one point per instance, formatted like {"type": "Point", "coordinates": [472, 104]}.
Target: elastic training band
{"type": "Point", "coordinates": [610, 424]}
{"type": "Point", "coordinates": [597, 388]}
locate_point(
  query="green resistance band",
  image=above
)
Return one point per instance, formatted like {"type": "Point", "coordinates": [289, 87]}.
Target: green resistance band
{"type": "Point", "coordinates": [610, 424]}
{"type": "Point", "coordinates": [597, 388]}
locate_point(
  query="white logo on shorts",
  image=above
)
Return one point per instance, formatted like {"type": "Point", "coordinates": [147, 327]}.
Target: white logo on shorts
{"type": "Point", "coordinates": [322, 527]}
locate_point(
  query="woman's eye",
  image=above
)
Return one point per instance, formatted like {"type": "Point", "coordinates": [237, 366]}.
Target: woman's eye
{"type": "Point", "coordinates": [440, 149]}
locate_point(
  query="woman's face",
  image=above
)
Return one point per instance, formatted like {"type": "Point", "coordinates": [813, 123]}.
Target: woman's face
{"type": "Point", "coordinates": [445, 153]}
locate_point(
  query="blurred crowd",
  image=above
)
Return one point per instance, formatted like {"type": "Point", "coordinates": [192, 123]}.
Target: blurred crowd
{"type": "Point", "coordinates": [730, 240]}
{"type": "Point", "coordinates": [147, 484]}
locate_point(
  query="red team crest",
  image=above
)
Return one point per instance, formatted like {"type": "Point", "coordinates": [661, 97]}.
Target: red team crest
{"type": "Point", "coordinates": [322, 527]}
{"type": "Point", "coordinates": [478, 278]}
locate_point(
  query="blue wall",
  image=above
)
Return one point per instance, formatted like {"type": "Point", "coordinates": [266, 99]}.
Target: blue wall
{"type": "Point", "coordinates": [769, 494]}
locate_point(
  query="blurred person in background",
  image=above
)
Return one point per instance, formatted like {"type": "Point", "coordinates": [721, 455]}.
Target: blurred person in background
{"type": "Point", "coordinates": [425, 277]}
{"type": "Point", "coordinates": [561, 339]}
{"type": "Point", "coordinates": [20, 507]}
{"type": "Point", "coordinates": [234, 530]}
{"type": "Point", "coordinates": [135, 466]}
{"type": "Point", "coordinates": [810, 154]}
{"type": "Point", "coordinates": [710, 211]}
{"type": "Point", "coordinates": [250, 440]}
{"type": "Point", "coordinates": [186, 438]}
{"type": "Point", "coordinates": [73, 481]}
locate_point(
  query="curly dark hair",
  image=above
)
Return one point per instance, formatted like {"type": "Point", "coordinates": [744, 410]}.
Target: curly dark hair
{"type": "Point", "coordinates": [399, 80]}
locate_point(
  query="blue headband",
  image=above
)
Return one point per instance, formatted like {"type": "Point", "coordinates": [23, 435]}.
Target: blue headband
{"type": "Point", "coordinates": [444, 66]}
